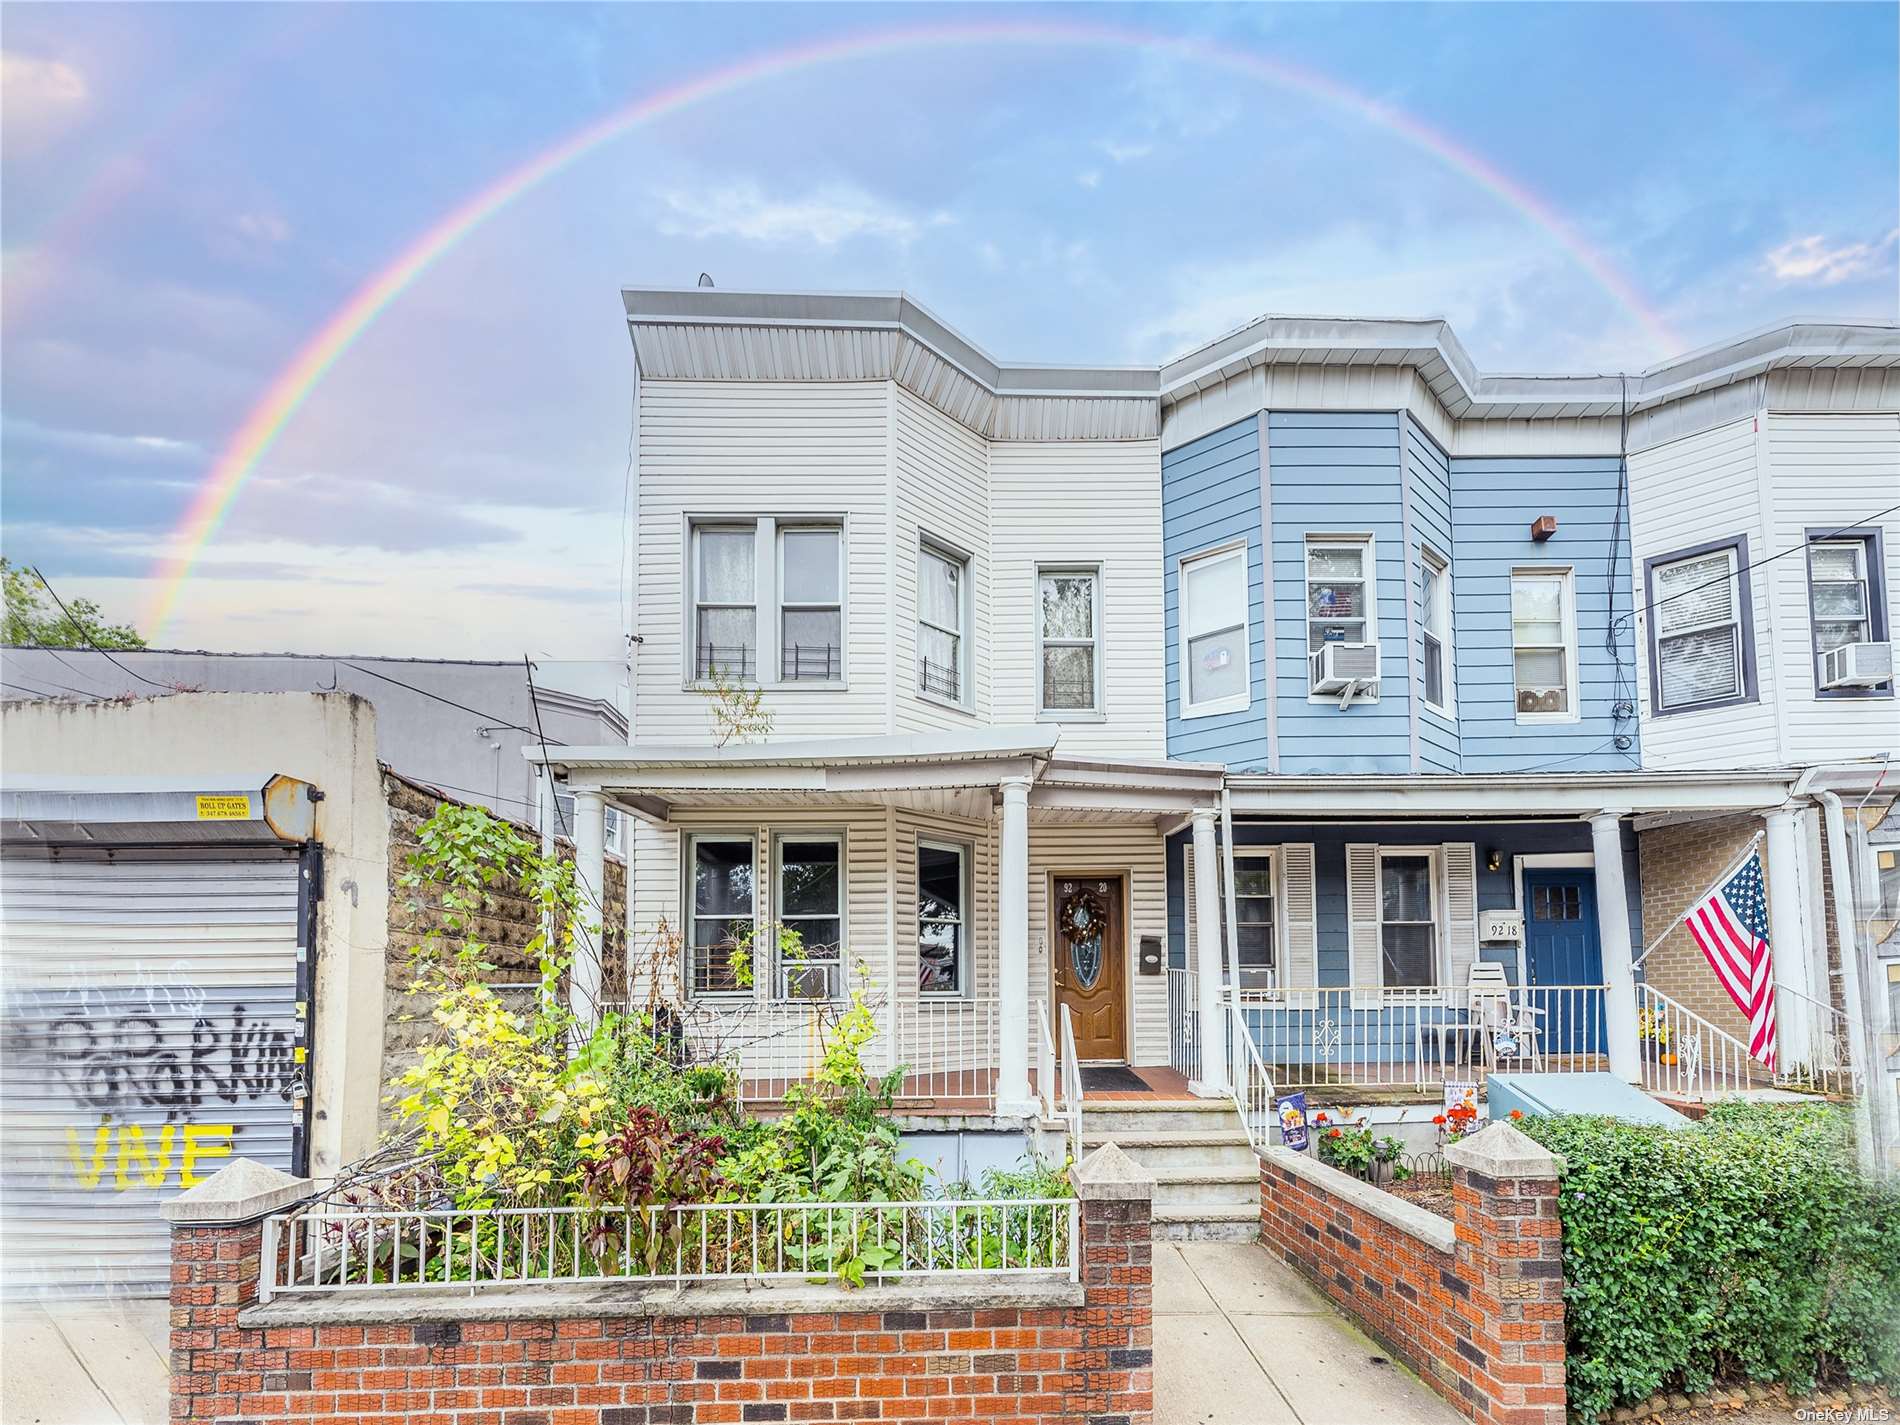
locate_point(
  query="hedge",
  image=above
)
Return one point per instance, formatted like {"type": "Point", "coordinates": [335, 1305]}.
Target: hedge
{"type": "Point", "coordinates": [1746, 1248]}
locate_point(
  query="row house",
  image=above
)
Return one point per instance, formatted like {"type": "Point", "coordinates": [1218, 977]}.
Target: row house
{"type": "Point", "coordinates": [999, 692]}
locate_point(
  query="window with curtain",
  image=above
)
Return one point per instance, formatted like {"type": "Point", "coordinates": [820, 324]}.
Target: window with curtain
{"type": "Point", "coordinates": [1696, 629]}
{"type": "Point", "coordinates": [1338, 593]}
{"type": "Point", "coordinates": [725, 605]}
{"type": "Point", "coordinates": [1069, 635]}
{"type": "Point", "coordinates": [942, 580]}
{"type": "Point", "coordinates": [943, 881]}
{"type": "Point", "coordinates": [1408, 924]}
{"type": "Point", "coordinates": [1213, 617]}
{"type": "Point", "coordinates": [1543, 643]}
{"type": "Point", "coordinates": [811, 606]}
{"type": "Point", "coordinates": [811, 904]}
{"type": "Point", "coordinates": [720, 912]}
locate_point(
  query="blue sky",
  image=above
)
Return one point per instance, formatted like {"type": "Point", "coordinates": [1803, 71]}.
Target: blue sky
{"type": "Point", "coordinates": [190, 191]}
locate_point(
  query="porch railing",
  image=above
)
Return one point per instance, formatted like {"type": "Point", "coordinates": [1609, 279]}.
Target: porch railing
{"type": "Point", "coordinates": [1252, 1086]}
{"type": "Point", "coordinates": [1372, 1036]}
{"type": "Point", "coordinates": [1832, 1069]}
{"type": "Point", "coordinates": [1184, 1023]}
{"type": "Point", "coordinates": [1686, 1055]}
{"type": "Point", "coordinates": [1071, 1085]}
{"type": "Point", "coordinates": [948, 1046]}
{"type": "Point", "coordinates": [346, 1249]}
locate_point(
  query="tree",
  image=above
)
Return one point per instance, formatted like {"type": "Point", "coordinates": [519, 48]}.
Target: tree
{"type": "Point", "coordinates": [34, 619]}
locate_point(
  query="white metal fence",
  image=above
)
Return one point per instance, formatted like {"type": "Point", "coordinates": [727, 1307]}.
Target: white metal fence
{"type": "Point", "coordinates": [347, 1249]}
{"type": "Point", "coordinates": [1184, 1023]}
{"type": "Point", "coordinates": [1071, 1085]}
{"type": "Point", "coordinates": [1832, 1068]}
{"type": "Point", "coordinates": [1687, 1055]}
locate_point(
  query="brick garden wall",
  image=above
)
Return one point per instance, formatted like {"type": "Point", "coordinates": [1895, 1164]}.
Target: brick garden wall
{"type": "Point", "coordinates": [1474, 1306]}
{"type": "Point", "coordinates": [1085, 1357]}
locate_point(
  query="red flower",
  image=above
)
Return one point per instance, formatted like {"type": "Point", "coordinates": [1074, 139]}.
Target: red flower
{"type": "Point", "coordinates": [1335, 1132]}
{"type": "Point", "coordinates": [1319, 1118]}
{"type": "Point", "coordinates": [1439, 1119]}
{"type": "Point", "coordinates": [1517, 1113]}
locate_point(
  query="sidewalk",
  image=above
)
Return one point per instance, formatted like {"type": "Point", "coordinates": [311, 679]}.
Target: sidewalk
{"type": "Point", "coordinates": [88, 1362]}
{"type": "Point", "coordinates": [1241, 1340]}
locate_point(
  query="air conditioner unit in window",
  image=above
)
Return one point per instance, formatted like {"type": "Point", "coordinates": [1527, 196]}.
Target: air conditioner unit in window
{"type": "Point", "coordinates": [1345, 668]}
{"type": "Point", "coordinates": [1857, 665]}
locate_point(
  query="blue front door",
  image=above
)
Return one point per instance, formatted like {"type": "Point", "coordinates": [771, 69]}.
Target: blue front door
{"type": "Point", "coordinates": [1561, 949]}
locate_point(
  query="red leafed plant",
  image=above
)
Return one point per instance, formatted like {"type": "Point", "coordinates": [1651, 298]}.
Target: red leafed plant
{"type": "Point", "coordinates": [643, 1171]}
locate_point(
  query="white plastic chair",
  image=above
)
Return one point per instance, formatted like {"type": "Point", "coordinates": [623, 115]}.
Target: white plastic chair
{"type": "Point", "coordinates": [1500, 1020]}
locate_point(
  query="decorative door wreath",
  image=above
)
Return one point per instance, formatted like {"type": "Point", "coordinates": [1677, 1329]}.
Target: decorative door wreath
{"type": "Point", "coordinates": [1082, 914]}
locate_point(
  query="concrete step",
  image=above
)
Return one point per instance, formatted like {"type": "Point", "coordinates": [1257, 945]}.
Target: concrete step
{"type": "Point", "coordinates": [1179, 1147]}
{"type": "Point", "coordinates": [1162, 1114]}
{"type": "Point", "coordinates": [1207, 1222]}
{"type": "Point", "coordinates": [1238, 1185]}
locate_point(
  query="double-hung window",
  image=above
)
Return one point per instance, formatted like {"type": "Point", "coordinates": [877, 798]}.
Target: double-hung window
{"type": "Point", "coordinates": [1214, 653]}
{"type": "Point", "coordinates": [1069, 634]}
{"type": "Point", "coordinates": [1339, 598]}
{"type": "Point", "coordinates": [943, 926]}
{"type": "Point", "coordinates": [810, 947]}
{"type": "Point", "coordinates": [943, 580]}
{"type": "Point", "coordinates": [1435, 629]}
{"type": "Point", "coordinates": [1837, 593]}
{"type": "Point", "coordinates": [811, 607]}
{"type": "Point", "coordinates": [721, 912]}
{"type": "Point", "coordinates": [1254, 944]}
{"type": "Point", "coordinates": [1699, 627]}
{"type": "Point", "coordinates": [1544, 645]}
{"type": "Point", "coordinates": [1408, 921]}
{"type": "Point", "coordinates": [725, 601]}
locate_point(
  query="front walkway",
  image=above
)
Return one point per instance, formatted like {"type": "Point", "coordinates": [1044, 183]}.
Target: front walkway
{"type": "Point", "coordinates": [89, 1361]}
{"type": "Point", "coordinates": [1240, 1339]}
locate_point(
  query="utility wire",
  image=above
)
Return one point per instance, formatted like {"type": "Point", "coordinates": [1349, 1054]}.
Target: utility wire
{"type": "Point", "coordinates": [80, 629]}
{"type": "Point", "coordinates": [495, 719]}
{"type": "Point", "coordinates": [73, 668]}
{"type": "Point", "coordinates": [1741, 569]}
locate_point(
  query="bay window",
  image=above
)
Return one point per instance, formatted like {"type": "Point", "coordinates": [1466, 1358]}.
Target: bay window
{"type": "Point", "coordinates": [725, 605]}
{"type": "Point", "coordinates": [1699, 627]}
{"type": "Point", "coordinates": [811, 608]}
{"type": "Point", "coordinates": [1435, 629]}
{"type": "Point", "coordinates": [1340, 606]}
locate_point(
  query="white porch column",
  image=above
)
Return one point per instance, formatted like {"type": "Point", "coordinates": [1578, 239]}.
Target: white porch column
{"type": "Point", "coordinates": [1788, 940]}
{"type": "Point", "coordinates": [1207, 941]}
{"type": "Point", "coordinates": [590, 866]}
{"type": "Point", "coordinates": [1613, 933]}
{"type": "Point", "coordinates": [1013, 1095]}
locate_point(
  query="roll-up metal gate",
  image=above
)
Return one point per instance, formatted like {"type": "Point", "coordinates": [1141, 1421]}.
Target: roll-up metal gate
{"type": "Point", "coordinates": [151, 1032]}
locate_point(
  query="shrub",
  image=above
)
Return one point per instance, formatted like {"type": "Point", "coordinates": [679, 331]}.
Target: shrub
{"type": "Point", "coordinates": [1745, 1248]}
{"type": "Point", "coordinates": [645, 1168]}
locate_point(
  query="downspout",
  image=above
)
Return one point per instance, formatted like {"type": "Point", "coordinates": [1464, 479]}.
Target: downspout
{"type": "Point", "coordinates": [1229, 935]}
{"type": "Point", "coordinates": [1860, 1044]}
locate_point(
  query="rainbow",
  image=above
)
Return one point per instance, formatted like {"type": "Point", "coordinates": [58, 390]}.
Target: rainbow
{"type": "Point", "coordinates": [293, 385]}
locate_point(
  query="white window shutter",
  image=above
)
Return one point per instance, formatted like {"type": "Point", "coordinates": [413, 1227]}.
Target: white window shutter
{"type": "Point", "coordinates": [1362, 922]}
{"type": "Point", "coordinates": [1461, 911]}
{"type": "Point", "coordinates": [1187, 905]}
{"type": "Point", "coordinates": [1299, 967]}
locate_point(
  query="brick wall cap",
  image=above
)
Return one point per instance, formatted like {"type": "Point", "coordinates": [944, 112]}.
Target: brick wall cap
{"type": "Point", "coordinates": [238, 1192]}
{"type": "Point", "coordinates": [1501, 1151]}
{"type": "Point", "coordinates": [620, 1299]}
{"type": "Point", "coordinates": [1428, 1227]}
{"type": "Point", "coordinates": [1108, 1174]}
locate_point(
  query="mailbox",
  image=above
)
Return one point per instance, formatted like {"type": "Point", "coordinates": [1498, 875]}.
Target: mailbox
{"type": "Point", "coordinates": [1149, 960]}
{"type": "Point", "coordinates": [1501, 927]}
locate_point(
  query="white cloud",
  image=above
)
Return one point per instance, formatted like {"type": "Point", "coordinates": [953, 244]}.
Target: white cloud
{"type": "Point", "coordinates": [1125, 152]}
{"type": "Point", "coordinates": [262, 227]}
{"type": "Point", "coordinates": [38, 97]}
{"type": "Point", "coordinates": [1811, 260]}
{"type": "Point", "coordinates": [826, 216]}
{"type": "Point", "coordinates": [1090, 178]}
{"type": "Point", "coordinates": [92, 442]}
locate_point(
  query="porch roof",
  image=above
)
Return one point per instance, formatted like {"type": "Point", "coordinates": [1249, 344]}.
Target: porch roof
{"type": "Point", "coordinates": [952, 773]}
{"type": "Point", "coordinates": [1502, 794]}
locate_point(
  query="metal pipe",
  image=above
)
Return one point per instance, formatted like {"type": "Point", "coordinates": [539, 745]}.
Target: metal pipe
{"type": "Point", "coordinates": [1876, 1138]}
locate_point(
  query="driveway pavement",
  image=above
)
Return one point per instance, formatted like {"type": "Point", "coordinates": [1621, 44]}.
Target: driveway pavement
{"type": "Point", "coordinates": [1240, 1339]}
{"type": "Point", "coordinates": [97, 1362]}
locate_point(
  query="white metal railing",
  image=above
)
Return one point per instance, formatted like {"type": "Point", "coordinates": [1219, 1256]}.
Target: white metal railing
{"type": "Point", "coordinates": [1184, 1023]}
{"type": "Point", "coordinates": [1376, 1036]}
{"type": "Point", "coordinates": [1251, 1084]}
{"type": "Point", "coordinates": [1833, 1069]}
{"type": "Point", "coordinates": [1048, 1091]}
{"type": "Point", "coordinates": [346, 1249]}
{"type": "Point", "coordinates": [1685, 1054]}
{"type": "Point", "coordinates": [948, 1047]}
{"type": "Point", "coordinates": [1071, 1085]}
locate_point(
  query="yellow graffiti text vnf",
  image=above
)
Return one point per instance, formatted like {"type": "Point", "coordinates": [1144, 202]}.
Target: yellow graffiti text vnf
{"type": "Point", "coordinates": [147, 1162]}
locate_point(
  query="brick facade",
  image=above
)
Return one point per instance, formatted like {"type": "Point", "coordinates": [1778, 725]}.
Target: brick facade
{"type": "Point", "coordinates": [1477, 1310]}
{"type": "Point", "coordinates": [1679, 863]}
{"type": "Point", "coordinates": [1086, 1360]}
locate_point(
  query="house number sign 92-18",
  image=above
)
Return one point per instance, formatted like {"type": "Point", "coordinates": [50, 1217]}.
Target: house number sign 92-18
{"type": "Point", "coordinates": [1501, 927]}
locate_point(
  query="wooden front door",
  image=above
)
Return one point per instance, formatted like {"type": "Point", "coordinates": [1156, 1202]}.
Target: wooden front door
{"type": "Point", "coordinates": [1091, 964]}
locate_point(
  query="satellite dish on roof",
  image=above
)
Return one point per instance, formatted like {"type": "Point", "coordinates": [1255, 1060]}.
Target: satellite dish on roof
{"type": "Point", "coordinates": [705, 279]}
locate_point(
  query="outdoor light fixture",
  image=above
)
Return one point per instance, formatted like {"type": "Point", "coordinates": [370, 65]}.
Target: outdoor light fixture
{"type": "Point", "coordinates": [1493, 859]}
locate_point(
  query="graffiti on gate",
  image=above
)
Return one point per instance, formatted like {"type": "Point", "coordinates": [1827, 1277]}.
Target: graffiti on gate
{"type": "Point", "coordinates": [123, 1156]}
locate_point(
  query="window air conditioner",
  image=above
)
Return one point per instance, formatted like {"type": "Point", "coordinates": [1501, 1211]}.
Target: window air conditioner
{"type": "Point", "coordinates": [1345, 667]}
{"type": "Point", "coordinates": [1857, 665]}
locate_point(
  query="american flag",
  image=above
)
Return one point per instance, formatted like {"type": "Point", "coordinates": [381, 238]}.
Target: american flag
{"type": "Point", "coordinates": [1730, 923]}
